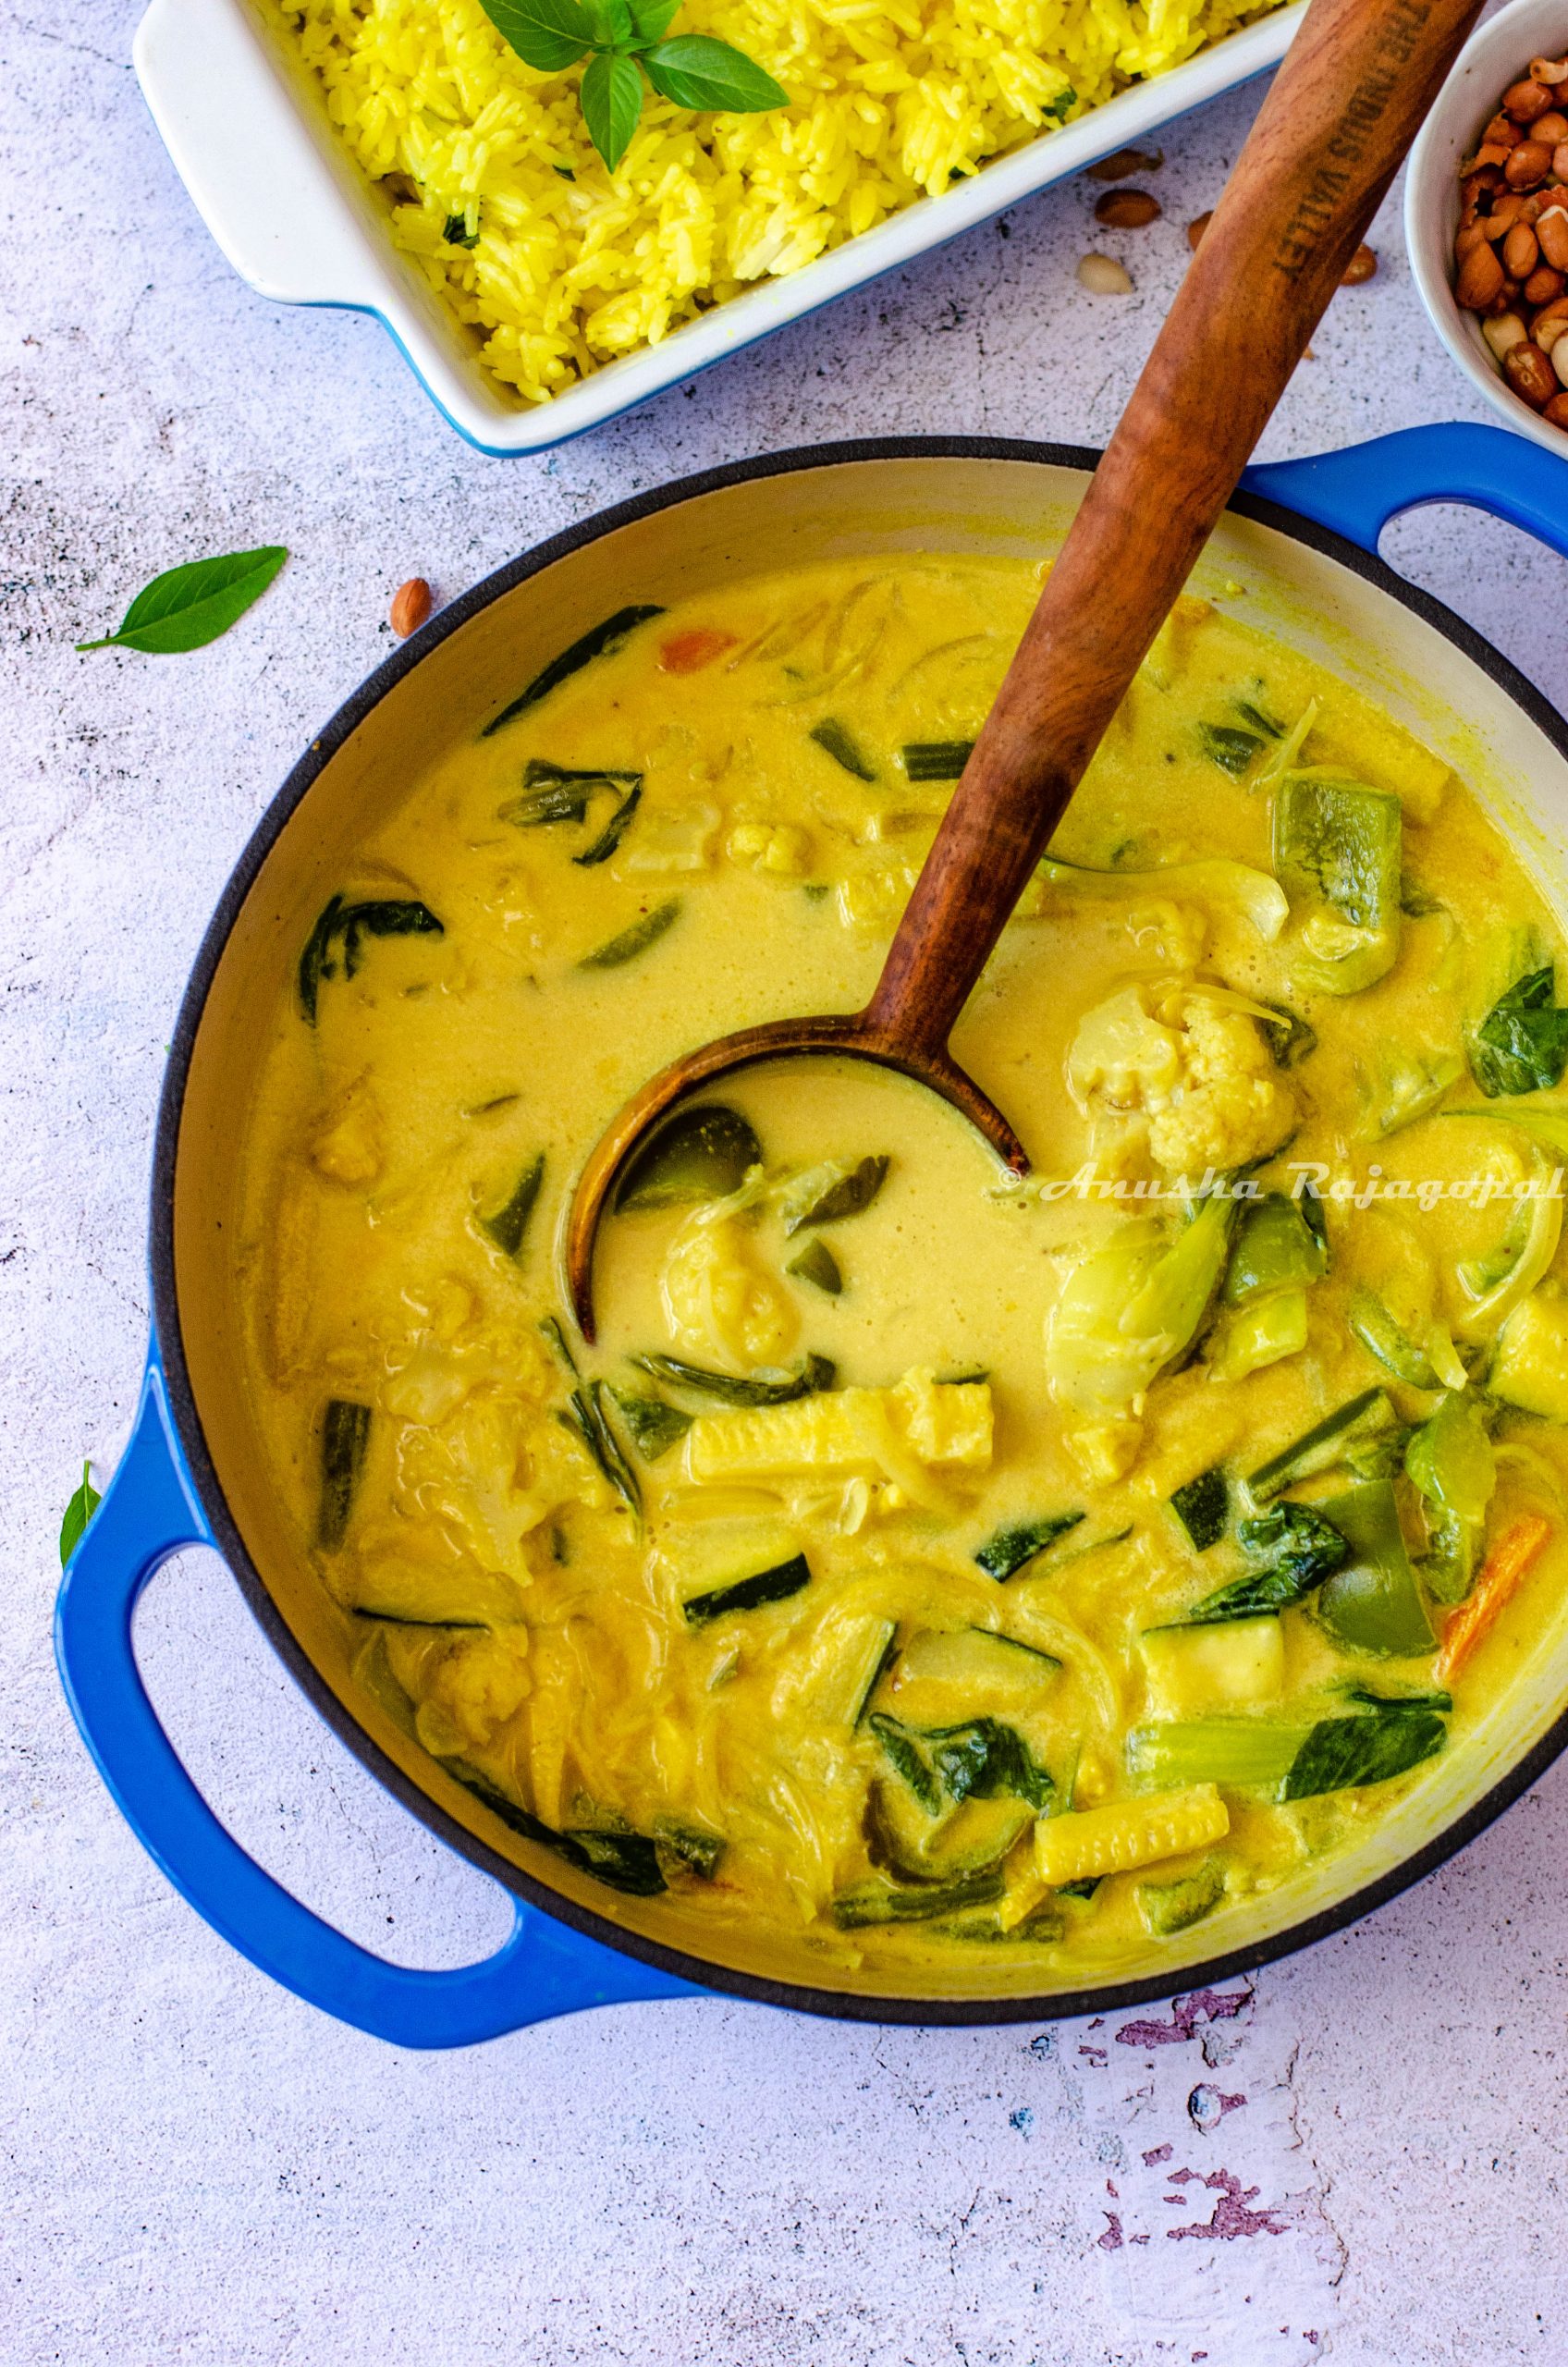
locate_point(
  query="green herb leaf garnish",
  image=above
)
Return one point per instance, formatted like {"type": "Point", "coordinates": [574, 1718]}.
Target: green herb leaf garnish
{"type": "Point", "coordinates": [79, 1512]}
{"type": "Point", "coordinates": [622, 43]}
{"type": "Point", "coordinates": [611, 98]}
{"type": "Point", "coordinates": [190, 606]}
{"type": "Point", "coordinates": [696, 71]}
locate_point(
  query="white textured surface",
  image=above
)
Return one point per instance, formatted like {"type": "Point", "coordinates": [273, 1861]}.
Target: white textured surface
{"type": "Point", "coordinates": [1357, 2157]}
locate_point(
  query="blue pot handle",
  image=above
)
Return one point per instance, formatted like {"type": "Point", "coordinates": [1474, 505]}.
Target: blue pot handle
{"type": "Point", "coordinates": [149, 1511]}
{"type": "Point", "coordinates": [1358, 492]}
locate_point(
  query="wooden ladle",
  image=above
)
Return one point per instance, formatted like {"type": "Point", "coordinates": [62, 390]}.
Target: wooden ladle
{"type": "Point", "coordinates": [1344, 107]}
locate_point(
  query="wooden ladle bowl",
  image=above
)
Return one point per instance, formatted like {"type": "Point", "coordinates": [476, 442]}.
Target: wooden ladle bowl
{"type": "Point", "coordinates": [1344, 107]}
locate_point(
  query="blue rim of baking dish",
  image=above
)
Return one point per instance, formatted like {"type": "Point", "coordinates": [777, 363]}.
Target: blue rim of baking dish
{"type": "Point", "coordinates": [168, 1494]}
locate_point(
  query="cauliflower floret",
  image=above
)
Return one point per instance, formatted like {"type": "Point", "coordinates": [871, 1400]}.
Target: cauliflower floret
{"type": "Point", "coordinates": [466, 1687]}
{"type": "Point", "coordinates": [1191, 1062]}
{"type": "Point", "coordinates": [782, 849]}
{"type": "Point", "coordinates": [716, 1298]}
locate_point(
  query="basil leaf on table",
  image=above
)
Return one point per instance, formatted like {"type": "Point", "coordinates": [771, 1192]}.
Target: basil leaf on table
{"type": "Point", "coordinates": [188, 607]}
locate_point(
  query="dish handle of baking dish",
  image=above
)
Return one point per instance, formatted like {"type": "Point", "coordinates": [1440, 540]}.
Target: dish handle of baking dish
{"type": "Point", "coordinates": [236, 132]}
{"type": "Point", "coordinates": [544, 1969]}
{"type": "Point", "coordinates": [1358, 492]}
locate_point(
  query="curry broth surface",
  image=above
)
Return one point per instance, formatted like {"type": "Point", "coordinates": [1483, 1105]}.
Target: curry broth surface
{"type": "Point", "coordinates": [746, 1754]}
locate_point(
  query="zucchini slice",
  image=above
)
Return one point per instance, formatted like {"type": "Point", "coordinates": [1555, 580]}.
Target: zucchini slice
{"type": "Point", "coordinates": [776, 1585]}
{"type": "Point", "coordinates": [410, 1594]}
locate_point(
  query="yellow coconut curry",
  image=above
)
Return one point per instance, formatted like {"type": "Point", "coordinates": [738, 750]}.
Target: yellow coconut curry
{"type": "Point", "coordinates": [923, 1563]}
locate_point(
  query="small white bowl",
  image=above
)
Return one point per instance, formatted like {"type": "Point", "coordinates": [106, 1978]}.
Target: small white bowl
{"type": "Point", "coordinates": [1498, 55]}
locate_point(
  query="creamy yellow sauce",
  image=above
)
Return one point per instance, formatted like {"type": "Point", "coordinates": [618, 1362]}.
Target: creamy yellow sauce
{"type": "Point", "coordinates": [854, 1772]}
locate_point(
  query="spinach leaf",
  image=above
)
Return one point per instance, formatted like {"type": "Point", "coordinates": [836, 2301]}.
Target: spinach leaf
{"type": "Point", "coordinates": [1522, 1043]}
{"type": "Point", "coordinates": [188, 607]}
{"type": "Point", "coordinates": [346, 925]}
{"type": "Point", "coordinates": [1019, 1541]}
{"type": "Point", "coordinates": [509, 1227]}
{"type": "Point", "coordinates": [600, 639]}
{"type": "Point", "coordinates": [987, 1761]}
{"type": "Point", "coordinates": [79, 1512]}
{"type": "Point", "coordinates": [907, 1759]}
{"type": "Point", "coordinates": [980, 1759]}
{"type": "Point", "coordinates": [1341, 1752]}
{"type": "Point", "coordinates": [1295, 1550]}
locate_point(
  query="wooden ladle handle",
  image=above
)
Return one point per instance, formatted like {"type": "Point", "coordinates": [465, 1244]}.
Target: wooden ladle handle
{"type": "Point", "coordinates": [1345, 105]}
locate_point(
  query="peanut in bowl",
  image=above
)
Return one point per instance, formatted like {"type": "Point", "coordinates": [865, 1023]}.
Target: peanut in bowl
{"type": "Point", "coordinates": [1486, 216]}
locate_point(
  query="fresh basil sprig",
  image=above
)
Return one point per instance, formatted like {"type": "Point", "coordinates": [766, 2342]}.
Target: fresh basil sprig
{"type": "Point", "coordinates": [188, 607]}
{"type": "Point", "coordinates": [623, 40]}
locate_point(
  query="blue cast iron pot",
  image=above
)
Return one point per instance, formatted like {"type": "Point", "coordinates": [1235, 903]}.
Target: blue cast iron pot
{"type": "Point", "coordinates": [1302, 538]}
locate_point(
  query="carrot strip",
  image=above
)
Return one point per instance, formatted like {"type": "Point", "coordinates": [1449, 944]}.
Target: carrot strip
{"type": "Point", "coordinates": [1511, 1558]}
{"type": "Point", "coordinates": [687, 652]}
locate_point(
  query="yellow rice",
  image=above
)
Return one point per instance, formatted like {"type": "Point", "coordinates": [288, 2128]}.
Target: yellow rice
{"type": "Point", "coordinates": [891, 100]}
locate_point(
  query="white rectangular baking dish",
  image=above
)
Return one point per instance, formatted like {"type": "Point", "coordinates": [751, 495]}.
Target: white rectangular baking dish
{"type": "Point", "coordinates": [247, 128]}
